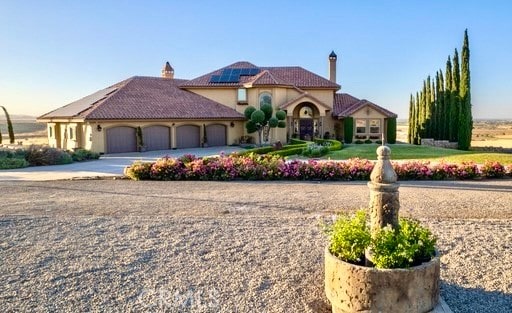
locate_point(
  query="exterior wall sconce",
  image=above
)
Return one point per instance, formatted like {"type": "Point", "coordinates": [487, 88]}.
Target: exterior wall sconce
{"type": "Point", "coordinates": [232, 124]}
{"type": "Point", "coordinates": [98, 128]}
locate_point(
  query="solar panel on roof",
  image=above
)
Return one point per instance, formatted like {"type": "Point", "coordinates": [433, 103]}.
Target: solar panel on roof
{"type": "Point", "coordinates": [215, 79]}
{"type": "Point", "coordinates": [232, 75]}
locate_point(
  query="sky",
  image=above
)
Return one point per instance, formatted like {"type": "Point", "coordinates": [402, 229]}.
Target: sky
{"type": "Point", "coordinates": [55, 52]}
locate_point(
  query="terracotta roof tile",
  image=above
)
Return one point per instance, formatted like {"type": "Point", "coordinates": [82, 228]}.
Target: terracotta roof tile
{"type": "Point", "coordinates": [283, 76]}
{"type": "Point", "coordinates": [346, 105]}
{"type": "Point", "coordinates": [154, 98]}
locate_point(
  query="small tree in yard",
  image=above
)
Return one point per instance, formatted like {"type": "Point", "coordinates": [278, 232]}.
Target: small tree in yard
{"type": "Point", "coordinates": [262, 120]}
{"type": "Point", "coordinates": [9, 127]}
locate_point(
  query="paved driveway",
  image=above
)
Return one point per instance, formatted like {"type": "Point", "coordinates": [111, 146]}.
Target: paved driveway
{"type": "Point", "coordinates": [107, 165]}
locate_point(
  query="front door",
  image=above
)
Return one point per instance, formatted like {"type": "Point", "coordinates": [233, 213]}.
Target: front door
{"type": "Point", "coordinates": [306, 129]}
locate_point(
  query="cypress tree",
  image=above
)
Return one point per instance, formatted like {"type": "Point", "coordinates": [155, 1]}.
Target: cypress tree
{"type": "Point", "coordinates": [448, 98]}
{"type": "Point", "coordinates": [9, 126]}
{"type": "Point", "coordinates": [465, 115]}
{"type": "Point", "coordinates": [410, 132]}
{"type": "Point", "coordinates": [423, 112]}
{"type": "Point", "coordinates": [428, 109]}
{"type": "Point", "coordinates": [455, 98]}
{"type": "Point", "coordinates": [433, 120]}
{"type": "Point", "coordinates": [441, 109]}
{"type": "Point", "coordinates": [417, 121]}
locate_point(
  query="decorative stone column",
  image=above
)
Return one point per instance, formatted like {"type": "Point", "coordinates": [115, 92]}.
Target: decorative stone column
{"type": "Point", "coordinates": [384, 202]}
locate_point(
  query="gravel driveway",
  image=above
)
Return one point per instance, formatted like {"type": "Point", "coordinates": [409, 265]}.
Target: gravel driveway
{"type": "Point", "coordinates": [126, 246]}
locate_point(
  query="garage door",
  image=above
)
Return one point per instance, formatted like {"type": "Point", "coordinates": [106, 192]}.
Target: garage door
{"type": "Point", "coordinates": [121, 139]}
{"type": "Point", "coordinates": [216, 135]}
{"type": "Point", "coordinates": [187, 136]}
{"type": "Point", "coordinates": [156, 138]}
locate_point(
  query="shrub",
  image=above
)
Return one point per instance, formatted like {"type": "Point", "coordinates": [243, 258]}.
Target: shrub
{"type": "Point", "coordinates": [493, 170]}
{"type": "Point", "coordinates": [409, 245]}
{"type": "Point", "coordinates": [139, 170]}
{"type": "Point", "coordinates": [44, 155]}
{"type": "Point", "coordinates": [391, 131]}
{"type": "Point", "coordinates": [349, 237]}
{"type": "Point", "coordinates": [357, 142]}
{"type": "Point", "coordinates": [315, 150]}
{"type": "Point", "coordinates": [295, 141]}
{"type": "Point", "coordinates": [348, 128]}
{"type": "Point", "coordinates": [368, 141]}
{"type": "Point", "coordinates": [333, 145]}
{"type": "Point", "coordinates": [12, 163]}
{"type": "Point", "coordinates": [84, 155]}
{"type": "Point", "coordinates": [288, 151]}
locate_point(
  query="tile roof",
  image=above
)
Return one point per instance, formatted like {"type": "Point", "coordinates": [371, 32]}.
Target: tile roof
{"type": "Point", "coordinates": [268, 76]}
{"type": "Point", "coordinates": [148, 98]}
{"type": "Point", "coordinates": [346, 105]}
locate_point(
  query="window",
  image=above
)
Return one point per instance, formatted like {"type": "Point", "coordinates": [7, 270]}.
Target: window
{"type": "Point", "coordinates": [70, 133]}
{"type": "Point", "coordinates": [50, 132]}
{"type": "Point", "coordinates": [360, 126]}
{"type": "Point", "coordinates": [374, 126]}
{"type": "Point", "coordinates": [306, 112]}
{"type": "Point", "coordinates": [265, 98]}
{"type": "Point", "coordinates": [242, 95]}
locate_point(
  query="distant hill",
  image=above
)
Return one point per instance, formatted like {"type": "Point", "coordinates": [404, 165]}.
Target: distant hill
{"type": "Point", "coordinates": [18, 117]}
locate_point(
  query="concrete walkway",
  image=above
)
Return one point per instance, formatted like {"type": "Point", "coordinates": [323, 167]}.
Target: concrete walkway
{"type": "Point", "coordinates": [107, 165]}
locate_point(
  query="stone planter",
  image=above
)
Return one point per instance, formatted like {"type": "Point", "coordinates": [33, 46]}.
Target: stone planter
{"type": "Point", "coordinates": [354, 288]}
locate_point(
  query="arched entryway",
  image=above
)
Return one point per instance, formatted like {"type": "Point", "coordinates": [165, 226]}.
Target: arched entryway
{"type": "Point", "coordinates": [306, 121]}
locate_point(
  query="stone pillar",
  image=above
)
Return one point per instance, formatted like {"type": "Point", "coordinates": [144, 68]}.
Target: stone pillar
{"type": "Point", "coordinates": [384, 202]}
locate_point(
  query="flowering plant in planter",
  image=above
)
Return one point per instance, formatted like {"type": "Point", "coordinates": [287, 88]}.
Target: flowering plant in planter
{"type": "Point", "coordinates": [409, 245]}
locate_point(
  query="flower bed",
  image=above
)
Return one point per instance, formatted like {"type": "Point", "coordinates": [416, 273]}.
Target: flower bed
{"type": "Point", "coordinates": [273, 167]}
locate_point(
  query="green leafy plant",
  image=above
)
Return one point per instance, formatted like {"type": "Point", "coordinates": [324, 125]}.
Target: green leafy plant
{"type": "Point", "coordinates": [348, 127]}
{"type": "Point", "coordinates": [84, 155]}
{"type": "Point", "coordinates": [44, 155]}
{"type": "Point", "coordinates": [409, 245]}
{"type": "Point", "coordinates": [349, 237]}
{"type": "Point", "coordinates": [12, 163]}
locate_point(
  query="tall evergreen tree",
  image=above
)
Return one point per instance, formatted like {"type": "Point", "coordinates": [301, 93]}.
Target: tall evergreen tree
{"type": "Point", "coordinates": [433, 120]}
{"type": "Point", "coordinates": [410, 133]}
{"type": "Point", "coordinates": [417, 126]}
{"type": "Point", "coordinates": [465, 115]}
{"type": "Point", "coordinates": [448, 98]}
{"type": "Point", "coordinates": [455, 98]}
{"type": "Point", "coordinates": [423, 112]}
{"type": "Point", "coordinates": [428, 109]}
{"type": "Point", "coordinates": [441, 107]}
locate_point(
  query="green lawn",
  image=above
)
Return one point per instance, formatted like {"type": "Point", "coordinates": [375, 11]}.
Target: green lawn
{"type": "Point", "coordinates": [413, 152]}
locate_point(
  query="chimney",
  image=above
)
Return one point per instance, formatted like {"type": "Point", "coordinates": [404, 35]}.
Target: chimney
{"type": "Point", "coordinates": [168, 71]}
{"type": "Point", "coordinates": [332, 66]}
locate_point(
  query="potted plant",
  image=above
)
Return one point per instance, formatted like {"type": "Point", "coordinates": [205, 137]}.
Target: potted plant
{"type": "Point", "coordinates": [377, 262]}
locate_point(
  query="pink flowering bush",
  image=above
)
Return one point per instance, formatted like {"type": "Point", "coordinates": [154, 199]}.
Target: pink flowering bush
{"type": "Point", "coordinates": [274, 167]}
{"type": "Point", "coordinates": [493, 170]}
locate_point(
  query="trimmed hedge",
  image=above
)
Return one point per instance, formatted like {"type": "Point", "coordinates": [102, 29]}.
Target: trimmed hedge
{"type": "Point", "coordinates": [348, 129]}
{"type": "Point", "coordinates": [12, 163]}
{"type": "Point", "coordinates": [391, 131]}
{"type": "Point", "coordinates": [296, 150]}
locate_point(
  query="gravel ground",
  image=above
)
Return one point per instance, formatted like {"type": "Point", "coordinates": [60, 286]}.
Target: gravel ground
{"type": "Point", "coordinates": [124, 246]}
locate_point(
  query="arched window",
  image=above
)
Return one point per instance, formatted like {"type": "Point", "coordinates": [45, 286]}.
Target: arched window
{"type": "Point", "coordinates": [265, 98]}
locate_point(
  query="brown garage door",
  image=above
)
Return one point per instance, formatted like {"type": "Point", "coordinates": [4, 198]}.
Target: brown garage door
{"type": "Point", "coordinates": [187, 136]}
{"type": "Point", "coordinates": [121, 139]}
{"type": "Point", "coordinates": [216, 135]}
{"type": "Point", "coordinates": [156, 138]}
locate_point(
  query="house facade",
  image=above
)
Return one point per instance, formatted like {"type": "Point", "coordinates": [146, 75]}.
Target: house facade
{"type": "Point", "coordinates": [158, 113]}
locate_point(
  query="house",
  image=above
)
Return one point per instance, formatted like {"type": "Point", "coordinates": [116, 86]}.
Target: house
{"type": "Point", "coordinates": [169, 113]}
